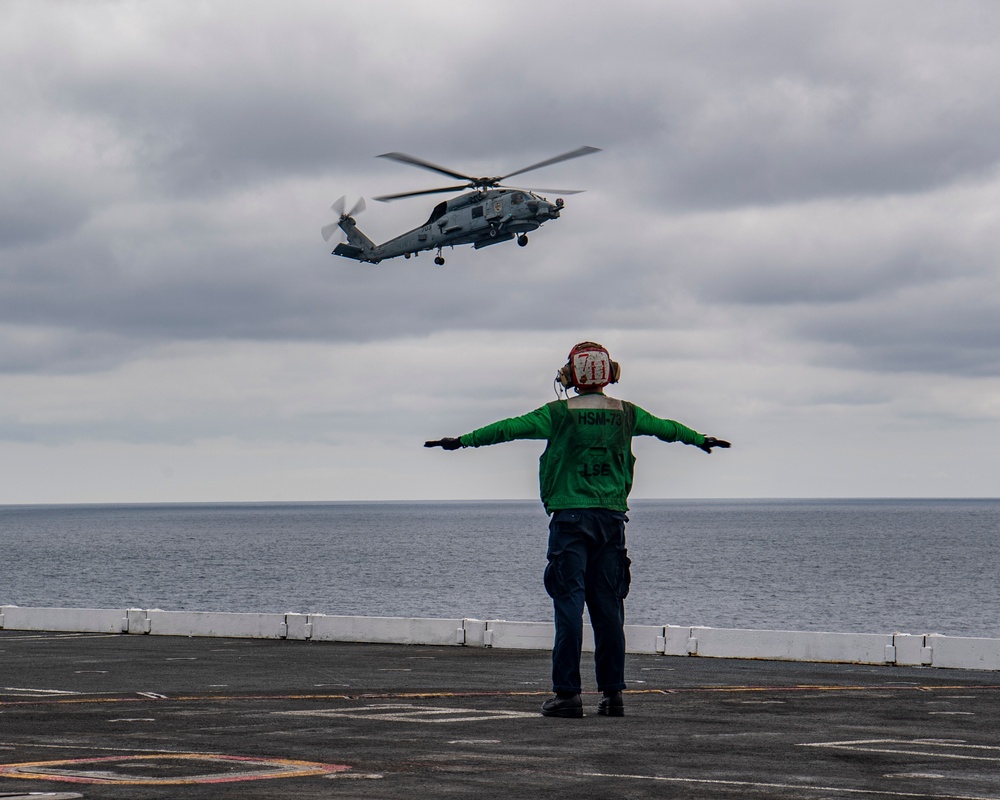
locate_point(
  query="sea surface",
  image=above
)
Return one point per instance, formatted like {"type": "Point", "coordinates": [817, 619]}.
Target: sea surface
{"type": "Point", "coordinates": [867, 566]}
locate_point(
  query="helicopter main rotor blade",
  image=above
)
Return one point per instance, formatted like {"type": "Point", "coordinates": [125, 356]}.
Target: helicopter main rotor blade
{"type": "Point", "coordinates": [386, 198]}
{"type": "Point", "coordinates": [586, 150]}
{"type": "Point", "coordinates": [403, 158]}
{"type": "Point", "coordinates": [547, 191]}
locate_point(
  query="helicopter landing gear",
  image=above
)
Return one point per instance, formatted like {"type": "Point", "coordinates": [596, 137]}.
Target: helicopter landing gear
{"type": "Point", "coordinates": [439, 259]}
{"type": "Point", "coordinates": [494, 231]}
{"type": "Point", "coordinates": [522, 240]}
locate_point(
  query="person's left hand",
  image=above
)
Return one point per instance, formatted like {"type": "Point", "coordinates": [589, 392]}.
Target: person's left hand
{"type": "Point", "coordinates": [711, 441]}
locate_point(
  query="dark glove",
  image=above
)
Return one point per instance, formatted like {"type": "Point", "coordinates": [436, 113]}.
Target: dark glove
{"type": "Point", "coordinates": [711, 441]}
{"type": "Point", "coordinates": [447, 443]}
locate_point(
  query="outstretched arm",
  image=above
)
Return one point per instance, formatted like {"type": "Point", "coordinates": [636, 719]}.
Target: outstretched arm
{"type": "Point", "coordinates": [667, 430]}
{"type": "Point", "coordinates": [533, 425]}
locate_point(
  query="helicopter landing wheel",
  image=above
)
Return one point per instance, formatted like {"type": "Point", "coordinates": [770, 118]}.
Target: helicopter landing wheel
{"type": "Point", "coordinates": [439, 260]}
{"type": "Point", "coordinates": [522, 240]}
{"type": "Point", "coordinates": [493, 233]}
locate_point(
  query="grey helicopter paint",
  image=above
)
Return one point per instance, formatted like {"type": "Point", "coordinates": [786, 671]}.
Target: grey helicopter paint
{"type": "Point", "coordinates": [489, 214]}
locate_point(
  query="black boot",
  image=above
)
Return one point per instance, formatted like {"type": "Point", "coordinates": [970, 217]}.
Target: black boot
{"type": "Point", "coordinates": [563, 705]}
{"type": "Point", "coordinates": [611, 705]}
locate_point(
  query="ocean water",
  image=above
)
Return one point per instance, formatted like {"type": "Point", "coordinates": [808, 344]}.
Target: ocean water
{"type": "Point", "coordinates": [871, 566]}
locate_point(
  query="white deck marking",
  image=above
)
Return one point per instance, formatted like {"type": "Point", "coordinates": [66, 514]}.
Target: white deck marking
{"type": "Point", "coordinates": [407, 712]}
{"type": "Point", "coordinates": [474, 741]}
{"type": "Point", "coordinates": [799, 788]}
{"type": "Point", "coordinates": [925, 748]}
{"type": "Point", "coordinates": [34, 745]}
{"type": "Point", "coordinates": [56, 637]}
{"type": "Point", "coordinates": [928, 776]}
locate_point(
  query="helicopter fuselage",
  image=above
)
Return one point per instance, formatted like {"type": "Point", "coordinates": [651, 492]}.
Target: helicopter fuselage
{"type": "Point", "coordinates": [480, 218]}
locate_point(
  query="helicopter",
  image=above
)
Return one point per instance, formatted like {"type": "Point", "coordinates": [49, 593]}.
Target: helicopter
{"type": "Point", "coordinates": [489, 214]}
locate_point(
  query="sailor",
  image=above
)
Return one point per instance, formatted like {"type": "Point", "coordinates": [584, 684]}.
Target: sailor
{"type": "Point", "coordinates": [585, 476]}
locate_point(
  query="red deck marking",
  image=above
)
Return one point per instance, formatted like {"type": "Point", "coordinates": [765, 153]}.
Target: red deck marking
{"type": "Point", "coordinates": [76, 770]}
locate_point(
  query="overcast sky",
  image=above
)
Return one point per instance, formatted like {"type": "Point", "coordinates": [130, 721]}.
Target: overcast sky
{"type": "Point", "coordinates": [791, 239]}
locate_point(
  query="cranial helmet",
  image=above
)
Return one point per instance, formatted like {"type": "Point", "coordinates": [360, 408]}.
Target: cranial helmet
{"type": "Point", "coordinates": [589, 366]}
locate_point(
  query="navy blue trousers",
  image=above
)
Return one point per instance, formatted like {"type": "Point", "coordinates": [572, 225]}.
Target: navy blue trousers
{"type": "Point", "coordinates": [588, 564]}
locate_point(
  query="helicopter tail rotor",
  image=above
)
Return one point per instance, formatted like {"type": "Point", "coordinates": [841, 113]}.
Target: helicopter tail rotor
{"type": "Point", "coordinates": [338, 207]}
{"type": "Point", "coordinates": [329, 230]}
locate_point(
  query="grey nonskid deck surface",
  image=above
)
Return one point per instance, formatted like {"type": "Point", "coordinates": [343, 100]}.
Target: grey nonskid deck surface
{"type": "Point", "coordinates": [118, 716]}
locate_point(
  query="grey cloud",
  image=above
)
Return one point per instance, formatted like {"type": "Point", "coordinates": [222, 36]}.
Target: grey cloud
{"type": "Point", "coordinates": [838, 277]}
{"type": "Point", "coordinates": [55, 349]}
{"type": "Point", "coordinates": [35, 211]}
{"type": "Point", "coordinates": [253, 426]}
{"type": "Point", "coordinates": [778, 103]}
{"type": "Point", "coordinates": [249, 293]}
{"type": "Point", "coordinates": [794, 209]}
{"type": "Point", "coordinates": [945, 334]}
{"type": "Point", "coordinates": [785, 102]}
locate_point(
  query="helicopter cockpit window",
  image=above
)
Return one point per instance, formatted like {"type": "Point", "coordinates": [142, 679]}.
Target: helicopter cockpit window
{"type": "Point", "coordinates": [517, 199]}
{"type": "Point", "coordinates": [438, 212]}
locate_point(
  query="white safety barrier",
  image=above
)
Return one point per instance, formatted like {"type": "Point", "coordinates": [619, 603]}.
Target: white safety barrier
{"type": "Point", "coordinates": [963, 653]}
{"type": "Point", "coordinates": [96, 620]}
{"type": "Point", "coordinates": [900, 649]}
{"type": "Point", "coordinates": [387, 630]}
{"type": "Point", "coordinates": [207, 623]}
{"type": "Point", "coordinates": [524, 635]}
{"type": "Point", "coordinates": [539, 636]}
{"type": "Point", "coordinates": [859, 648]}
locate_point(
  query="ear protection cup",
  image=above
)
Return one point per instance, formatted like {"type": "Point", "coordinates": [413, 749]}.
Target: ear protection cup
{"type": "Point", "coordinates": [564, 377]}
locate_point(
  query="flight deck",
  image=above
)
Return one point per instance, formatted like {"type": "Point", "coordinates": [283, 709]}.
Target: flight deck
{"type": "Point", "coordinates": [106, 715]}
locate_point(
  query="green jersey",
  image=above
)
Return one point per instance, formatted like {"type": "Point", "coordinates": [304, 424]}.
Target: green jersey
{"type": "Point", "coordinates": [588, 461]}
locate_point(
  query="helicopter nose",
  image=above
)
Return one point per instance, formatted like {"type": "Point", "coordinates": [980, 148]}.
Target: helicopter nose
{"type": "Point", "coordinates": [544, 210]}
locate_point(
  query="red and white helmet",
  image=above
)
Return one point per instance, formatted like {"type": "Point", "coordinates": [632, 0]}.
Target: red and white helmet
{"type": "Point", "coordinates": [589, 366]}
